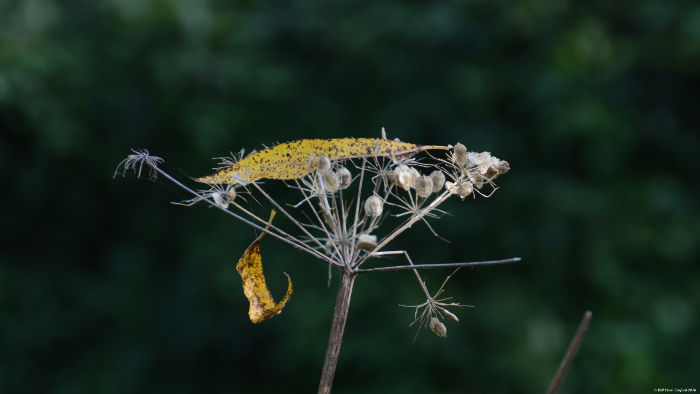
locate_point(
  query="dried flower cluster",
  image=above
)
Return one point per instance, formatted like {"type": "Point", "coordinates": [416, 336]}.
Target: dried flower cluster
{"type": "Point", "coordinates": [340, 217]}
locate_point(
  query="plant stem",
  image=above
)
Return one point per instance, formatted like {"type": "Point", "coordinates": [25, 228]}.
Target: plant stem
{"type": "Point", "coordinates": [340, 316]}
{"type": "Point", "coordinates": [438, 265]}
{"type": "Point", "coordinates": [570, 353]}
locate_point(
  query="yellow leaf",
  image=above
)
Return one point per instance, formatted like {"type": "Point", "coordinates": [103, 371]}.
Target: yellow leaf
{"type": "Point", "coordinates": [262, 306]}
{"type": "Point", "coordinates": [292, 160]}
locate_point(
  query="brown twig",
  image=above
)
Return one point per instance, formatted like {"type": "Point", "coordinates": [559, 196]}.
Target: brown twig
{"type": "Point", "coordinates": [570, 353]}
{"type": "Point", "coordinates": [340, 316]}
{"type": "Point", "coordinates": [438, 265]}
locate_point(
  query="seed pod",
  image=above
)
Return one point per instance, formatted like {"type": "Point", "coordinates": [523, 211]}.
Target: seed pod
{"type": "Point", "coordinates": [423, 186]}
{"type": "Point", "coordinates": [413, 176]}
{"type": "Point", "coordinates": [366, 241]}
{"type": "Point", "coordinates": [223, 199]}
{"type": "Point", "coordinates": [323, 164]}
{"type": "Point", "coordinates": [450, 315]}
{"type": "Point", "coordinates": [330, 181]}
{"type": "Point", "coordinates": [438, 179]}
{"type": "Point", "coordinates": [459, 154]}
{"type": "Point", "coordinates": [374, 206]}
{"type": "Point", "coordinates": [437, 327]}
{"type": "Point", "coordinates": [451, 187]}
{"type": "Point", "coordinates": [498, 166]}
{"type": "Point", "coordinates": [344, 177]}
{"type": "Point", "coordinates": [465, 189]}
{"type": "Point", "coordinates": [476, 178]}
{"type": "Point", "coordinates": [402, 176]}
{"type": "Point", "coordinates": [491, 172]}
{"type": "Point", "coordinates": [479, 160]}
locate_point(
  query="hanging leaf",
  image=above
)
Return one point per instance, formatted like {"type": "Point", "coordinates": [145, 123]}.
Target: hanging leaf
{"type": "Point", "coordinates": [262, 306]}
{"type": "Point", "coordinates": [292, 160]}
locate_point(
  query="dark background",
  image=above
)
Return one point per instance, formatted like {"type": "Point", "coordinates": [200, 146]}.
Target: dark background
{"type": "Point", "coordinates": [105, 287]}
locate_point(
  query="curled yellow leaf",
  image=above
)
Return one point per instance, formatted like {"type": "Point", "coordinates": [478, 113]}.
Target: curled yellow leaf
{"type": "Point", "coordinates": [262, 306]}
{"type": "Point", "coordinates": [292, 160]}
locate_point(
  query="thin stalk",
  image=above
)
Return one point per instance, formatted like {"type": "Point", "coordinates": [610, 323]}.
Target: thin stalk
{"type": "Point", "coordinates": [438, 265]}
{"type": "Point", "coordinates": [570, 353]}
{"type": "Point", "coordinates": [340, 316]}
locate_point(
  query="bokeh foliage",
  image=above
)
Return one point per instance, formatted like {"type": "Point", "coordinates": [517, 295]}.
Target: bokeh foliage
{"type": "Point", "coordinates": [107, 288]}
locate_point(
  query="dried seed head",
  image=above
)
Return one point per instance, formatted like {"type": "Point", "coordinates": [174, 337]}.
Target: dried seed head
{"type": "Point", "coordinates": [423, 185]}
{"type": "Point", "coordinates": [323, 164]}
{"type": "Point", "coordinates": [402, 176]}
{"type": "Point", "coordinates": [344, 177]}
{"type": "Point", "coordinates": [330, 181]}
{"type": "Point", "coordinates": [374, 206]}
{"type": "Point", "coordinates": [477, 179]}
{"type": "Point", "coordinates": [491, 172]}
{"type": "Point", "coordinates": [465, 189]}
{"type": "Point", "coordinates": [498, 165]}
{"type": "Point", "coordinates": [450, 315]}
{"type": "Point", "coordinates": [479, 160]}
{"type": "Point", "coordinates": [223, 199]}
{"type": "Point", "coordinates": [438, 179]}
{"type": "Point", "coordinates": [366, 241]}
{"type": "Point", "coordinates": [437, 327]}
{"type": "Point", "coordinates": [451, 187]}
{"type": "Point", "coordinates": [459, 155]}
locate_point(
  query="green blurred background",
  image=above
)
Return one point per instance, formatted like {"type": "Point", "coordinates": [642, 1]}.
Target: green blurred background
{"type": "Point", "coordinates": [105, 287]}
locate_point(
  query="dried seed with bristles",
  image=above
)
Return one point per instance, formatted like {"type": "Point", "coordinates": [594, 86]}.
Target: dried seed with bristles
{"type": "Point", "coordinates": [366, 241]}
{"type": "Point", "coordinates": [438, 179]}
{"type": "Point", "coordinates": [374, 206]}
{"type": "Point", "coordinates": [459, 154]}
{"type": "Point", "coordinates": [344, 177]}
{"type": "Point", "coordinates": [438, 328]}
{"type": "Point", "coordinates": [424, 186]}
